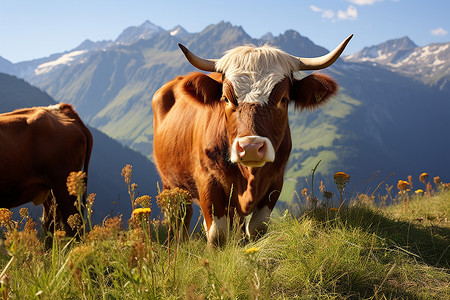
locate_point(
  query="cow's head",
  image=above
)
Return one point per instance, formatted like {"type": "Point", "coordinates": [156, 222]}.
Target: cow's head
{"type": "Point", "coordinates": [257, 86]}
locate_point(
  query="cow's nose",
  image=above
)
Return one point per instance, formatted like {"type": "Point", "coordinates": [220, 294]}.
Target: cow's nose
{"type": "Point", "coordinates": [251, 151]}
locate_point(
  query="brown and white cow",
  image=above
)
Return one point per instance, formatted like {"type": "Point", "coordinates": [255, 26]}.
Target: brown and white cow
{"type": "Point", "coordinates": [225, 136]}
{"type": "Point", "coordinates": [39, 147]}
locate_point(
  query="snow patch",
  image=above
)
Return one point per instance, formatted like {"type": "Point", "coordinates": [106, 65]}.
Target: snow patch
{"type": "Point", "coordinates": [175, 32]}
{"type": "Point", "coordinates": [64, 59]}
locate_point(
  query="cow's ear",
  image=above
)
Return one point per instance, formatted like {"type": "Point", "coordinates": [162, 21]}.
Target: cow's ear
{"type": "Point", "coordinates": [205, 88]}
{"type": "Point", "coordinates": [313, 91]}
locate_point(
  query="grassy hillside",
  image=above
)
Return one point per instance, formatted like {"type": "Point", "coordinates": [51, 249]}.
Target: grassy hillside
{"type": "Point", "coordinates": [360, 251]}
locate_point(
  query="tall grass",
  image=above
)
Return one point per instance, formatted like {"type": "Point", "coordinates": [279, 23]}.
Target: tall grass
{"type": "Point", "coordinates": [359, 251]}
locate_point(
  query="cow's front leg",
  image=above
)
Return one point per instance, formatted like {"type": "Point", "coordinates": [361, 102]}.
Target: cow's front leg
{"type": "Point", "coordinates": [215, 218]}
{"type": "Point", "coordinates": [259, 220]}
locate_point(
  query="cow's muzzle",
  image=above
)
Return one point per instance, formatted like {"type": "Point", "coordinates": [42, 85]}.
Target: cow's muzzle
{"type": "Point", "coordinates": [252, 151]}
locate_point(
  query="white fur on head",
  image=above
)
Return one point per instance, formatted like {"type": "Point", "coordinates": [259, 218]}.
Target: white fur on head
{"type": "Point", "coordinates": [54, 107]}
{"type": "Point", "coordinates": [254, 71]}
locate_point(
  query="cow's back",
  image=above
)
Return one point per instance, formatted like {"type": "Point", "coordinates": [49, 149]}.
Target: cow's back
{"type": "Point", "coordinates": [39, 147]}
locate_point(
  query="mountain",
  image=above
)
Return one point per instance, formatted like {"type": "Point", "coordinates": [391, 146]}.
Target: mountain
{"type": "Point", "coordinates": [383, 120]}
{"type": "Point", "coordinates": [112, 88]}
{"type": "Point", "coordinates": [267, 37]}
{"type": "Point", "coordinates": [380, 123]}
{"type": "Point", "coordinates": [385, 53]}
{"type": "Point", "coordinates": [135, 33]}
{"type": "Point", "coordinates": [179, 31]}
{"type": "Point", "coordinates": [429, 64]}
{"type": "Point", "coordinates": [6, 65]}
{"type": "Point", "coordinates": [107, 159]}
{"type": "Point", "coordinates": [93, 46]}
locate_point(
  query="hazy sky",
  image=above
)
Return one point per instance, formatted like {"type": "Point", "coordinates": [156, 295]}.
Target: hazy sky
{"type": "Point", "coordinates": [37, 28]}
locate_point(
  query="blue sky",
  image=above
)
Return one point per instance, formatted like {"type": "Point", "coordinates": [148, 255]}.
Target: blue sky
{"type": "Point", "coordinates": [33, 29]}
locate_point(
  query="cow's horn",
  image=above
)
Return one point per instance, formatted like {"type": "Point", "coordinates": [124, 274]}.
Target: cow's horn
{"type": "Point", "coordinates": [208, 65]}
{"type": "Point", "coordinates": [322, 62]}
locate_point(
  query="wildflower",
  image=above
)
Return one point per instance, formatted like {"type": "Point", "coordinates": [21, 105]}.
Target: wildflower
{"type": "Point", "coordinates": [91, 199]}
{"type": "Point", "coordinates": [60, 235]}
{"type": "Point", "coordinates": [98, 233]}
{"type": "Point", "coordinates": [110, 229]}
{"type": "Point", "coordinates": [24, 212]}
{"type": "Point", "coordinates": [446, 186]}
{"type": "Point", "coordinates": [23, 243]}
{"type": "Point", "coordinates": [138, 253]}
{"type": "Point", "coordinates": [321, 187]}
{"type": "Point", "coordinates": [143, 201]}
{"type": "Point", "coordinates": [437, 180]}
{"type": "Point", "coordinates": [171, 200]}
{"type": "Point", "coordinates": [410, 182]}
{"type": "Point", "coordinates": [76, 183]}
{"type": "Point", "coordinates": [141, 211]}
{"type": "Point", "coordinates": [126, 173]}
{"type": "Point", "coordinates": [423, 177]}
{"type": "Point", "coordinates": [74, 221]}
{"type": "Point", "coordinates": [251, 250]}
{"type": "Point", "coordinates": [402, 185]}
{"type": "Point", "coordinates": [305, 192]}
{"type": "Point", "coordinates": [29, 225]}
{"type": "Point", "coordinates": [419, 191]}
{"type": "Point", "coordinates": [340, 179]}
{"type": "Point", "coordinates": [5, 216]}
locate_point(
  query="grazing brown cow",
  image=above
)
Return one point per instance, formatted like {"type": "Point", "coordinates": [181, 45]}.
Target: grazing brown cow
{"type": "Point", "coordinates": [39, 147]}
{"type": "Point", "coordinates": [225, 136]}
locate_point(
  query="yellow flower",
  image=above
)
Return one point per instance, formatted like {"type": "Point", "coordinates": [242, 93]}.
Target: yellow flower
{"type": "Point", "coordinates": [419, 191]}
{"type": "Point", "coordinates": [437, 180]}
{"type": "Point", "coordinates": [126, 173]}
{"type": "Point", "coordinates": [305, 192]}
{"type": "Point", "coordinates": [76, 183]}
{"type": "Point", "coordinates": [143, 201]}
{"type": "Point", "coordinates": [24, 212]}
{"type": "Point", "coordinates": [402, 185]}
{"type": "Point", "coordinates": [251, 250]}
{"type": "Point", "coordinates": [340, 179]}
{"type": "Point", "coordinates": [5, 216]}
{"type": "Point", "coordinates": [423, 177]}
{"type": "Point", "coordinates": [60, 235]}
{"type": "Point", "coordinates": [142, 210]}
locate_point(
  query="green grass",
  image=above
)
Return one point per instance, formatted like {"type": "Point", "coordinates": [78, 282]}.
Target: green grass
{"type": "Point", "coordinates": [360, 252]}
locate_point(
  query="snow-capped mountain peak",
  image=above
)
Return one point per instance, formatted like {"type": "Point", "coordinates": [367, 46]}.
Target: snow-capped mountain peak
{"type": "Point", "coordinates": [387, 52]}
{"type": "Point", "coordinates": [178, 31]}
{"type": "Point", "coordinates": [134, 33]}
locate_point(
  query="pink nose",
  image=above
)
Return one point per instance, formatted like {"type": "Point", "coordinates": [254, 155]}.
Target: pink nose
{"type": "Point", "coordinates": [251, 151]}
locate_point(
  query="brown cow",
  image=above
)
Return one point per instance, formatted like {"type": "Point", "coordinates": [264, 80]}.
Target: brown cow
{"type": "Point", "coordinates": [39, 147]}
{"type": "Point", "coordinates": [225, 136]}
